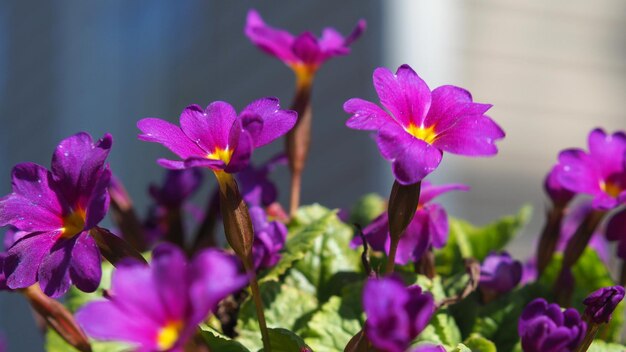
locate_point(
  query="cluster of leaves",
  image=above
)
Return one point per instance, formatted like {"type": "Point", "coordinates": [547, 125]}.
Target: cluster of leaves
{"type": "Point", "coordinates": [312, 297]}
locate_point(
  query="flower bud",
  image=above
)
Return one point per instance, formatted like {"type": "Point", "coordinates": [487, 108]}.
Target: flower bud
{"type": "Point", "coordinates": [601, 303]}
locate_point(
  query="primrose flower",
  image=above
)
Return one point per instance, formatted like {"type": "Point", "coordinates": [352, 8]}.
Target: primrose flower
{"type": "Point", "coordinates": [304, 53]}
{"type": "Point", "coordinates": [544, 327]}
{"type": "Point", "coordinates": [177, 187]}
{"type": "Point", "coordinates": [429, 227]}
{"type": "Point", "coordinates": [600, 172]}
{"type": "Point", "coordinates": [601, 303]}
{"type": "Point", "coordinates": [419, 125]}
{"type": "Point", "coordinates": [158, 308]}
{"type": "Point", "coordinates": [216, 137]}
{"type": "Point", "coordinates": [269, 239]}
{"type": "Point", "coordinates": [54, 210]}
{"type": "Point", "coordinates": [500, 273]}
{"type": "Point", "coordinates": [395, 314]}
{"type": "Point", "coordinates": [560, 196]}
{"type": "Point", "coordinates": [256, 187]}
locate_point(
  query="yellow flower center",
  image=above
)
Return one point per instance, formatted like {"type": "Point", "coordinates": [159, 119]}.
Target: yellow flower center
{"type": "Point", "coordinates": [427, 134]}
{"type": "Point", "coordinates": [168, 335]}
{"type": "Point", "coordinates": [74, 223]}
{"type": "Point", "coordinates": [221, 154]}
{"type": "Point", "coordinates": [611, 188]}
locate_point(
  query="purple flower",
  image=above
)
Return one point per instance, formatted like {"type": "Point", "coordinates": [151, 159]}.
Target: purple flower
{"type": "Point", "coordinates": [544, 327]}
{"type": "Point", "coordinates": [57, 209]}
{"type": "Point", "coordinates": [304, 53]}
{"type": "Point", "coordinates": [428, 227]}
{"type": "Point", "coordinates": [416, 125]}
{"type": "Point", "coordinates": [176, 188]}
{"type": "Point", "coordinates": [599, 172]}
{"type": "Point", "coordinates": [601, 303]}
{"type": "Point", "coordinates": [269, 239]}
{"type": "Point", "coordinates": [217, 137]}
{"type": "Point", "coordinates": [500, 273]}
{"type": "Point", "coordinates": [256, 187]}
{"type": "Point", "coordinates": [395, 314]}
{"type": "Point", "coordinates": [560, 196]}
{"type": "Point", "coordinates": [159, 307]}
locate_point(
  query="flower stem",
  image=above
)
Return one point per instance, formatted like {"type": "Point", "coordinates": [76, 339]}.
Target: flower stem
{"type": "Point", "coordinates": [299, 138]}
{"type": "Point", "coordinates": [549, 238]}
{"type": "Point", "coordinates": [575, 248]}
{"type": "Point", "coordinates": [391, 259]}
{"type": "Point", "coordinates": [589, 336]}
{"type": "Point", "coordinates": [622, 277]}
{"type": "Point", "coordinates": [240, 236]}
{"type": "Point", "coordinates": [258, 304]}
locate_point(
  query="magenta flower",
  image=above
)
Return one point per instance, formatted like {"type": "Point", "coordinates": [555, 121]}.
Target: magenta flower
{"type": "Point", "coordinates": [600, 304]}
{"type": "Point", "coordinates": [395, 314]}
{"type": "Point", "coordinates": [304, 53]}
{"type": "Point", "coordinates": [217, 137]}
{"type": "Point", "coordinates": [419, 125]}
{"type": "Point", "coordinates": [269, 239]}
{"type": "Point", "coordinates": [176, 188]}
{"type": "Point", "coordinates": [600, 172]}
{"type": "Point", "coordinates": [500, 273]}
{"type": "Point", "coordinates": [429, 227]}
{"type": "Point", "coordinates": [256, 187]}
{"type": "Point", "coordinates": [57, 209]}
{"type": "Point", "coordinates": [158, 308]}
{"type": "Point", "coordinates": [545, 327]}
{"type": "Point", "coordinates": [559, 195]}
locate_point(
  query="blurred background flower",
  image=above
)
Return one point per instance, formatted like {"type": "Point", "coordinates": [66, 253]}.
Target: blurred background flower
{"type": "Point", "coordinates": [553, 70]}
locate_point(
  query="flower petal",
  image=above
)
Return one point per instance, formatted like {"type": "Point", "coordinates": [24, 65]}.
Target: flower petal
{"type": "Point", "coordinates": [98, 203]}
{"type": "Point", "coordinates": [76, 165]}
{"type": "Point", "coordinates": [607, 151]}
{"type": "Point", "coordinates": [169, 267]}
{"type": "Point", "coordinates": [243, 145]}
{"type": "Point", "coordinates": [54, 271]}
{"type": "Point", "coordinates": [34, 205]}
{"type": "Point", "coordinates": [412, 159]}
{"type": "Point", "coordinates": [404, 94]}
{"type": "Point", "coordinates": [104, 320]}
{"type": "Point", "coordinates": [431, 192]}
{"type": "Point", "coordinates": [437, 224]}
{"type": "Point", "coordinates": [205, 163]}
{"type": "Point", "coordinates": [450, 104]}
{"type": "Point", "coordinates": [275, 122]}
{"type": "Point", "coordinates": [366, 115]}
{"type": "Point", "coordinates": [470, 135]}
{"type": "Point", "coordinates": [208, 128]}
{"type": "Point", "coordinates": [85, 267]}
{"type": "Point", "coordinates": [273, 41]}
{"type": "Point", "coordinates": [24, 258]}
{"type": "Point", "coordinates": [171, 136]}
{"type": "Point", "coordinates": [307, 49]}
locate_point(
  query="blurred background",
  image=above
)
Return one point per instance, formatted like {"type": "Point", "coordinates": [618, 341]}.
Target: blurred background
{"type": "Point", "coordinates": [552, 69]}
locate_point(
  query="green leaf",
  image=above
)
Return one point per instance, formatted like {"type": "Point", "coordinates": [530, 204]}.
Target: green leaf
{"type": "Point", "coordinates": [219, 342]}
{"type": "Point", "coordinates": [441, 330]}
{"type": "Point", "coordinates": [466, 240]}
{"type": "Point", "coordinates": [461, 348]}
{"type": "Point", "coordinates": [283, 340]}
{"type": "Point", "coordinates": [54, 343]}
{"type": "Point", "coordinates": [310, 223]}
{"type": "Point", "coordinates": [330, 263]}
{"type": "Point", "coordinates": [477, 343]}
{"type": "Point", "coordinates": [339, 319]}
{"type": "Point", "coordinates": [601, 346]}
{"type": "Point", "coordinates": [367, 209]}
{"type": "Point", "coordinates": [284, 307]}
